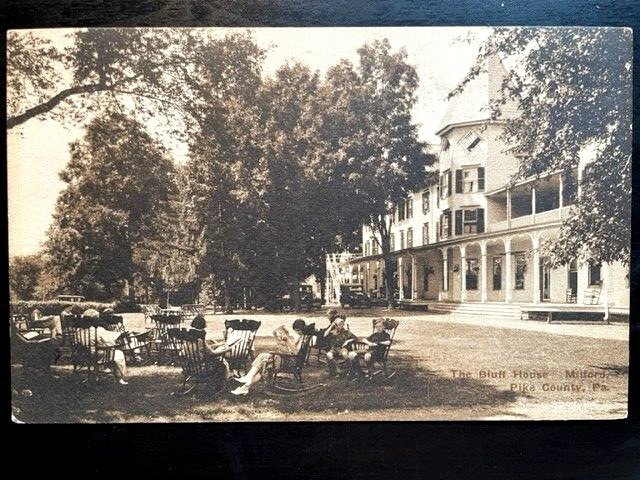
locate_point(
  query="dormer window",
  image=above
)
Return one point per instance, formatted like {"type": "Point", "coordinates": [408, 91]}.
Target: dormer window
{"type": "Point", "coordinates": [470, 140]}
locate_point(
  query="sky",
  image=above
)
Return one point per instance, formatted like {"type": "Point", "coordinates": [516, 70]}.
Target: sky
{"type": "Point", "coordinates": [39, 149]}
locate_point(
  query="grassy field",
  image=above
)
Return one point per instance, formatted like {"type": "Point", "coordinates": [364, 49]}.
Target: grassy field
{"type": "Point", "coordinates": [427, 351]}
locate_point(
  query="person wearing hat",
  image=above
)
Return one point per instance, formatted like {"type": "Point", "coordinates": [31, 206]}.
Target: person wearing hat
{"type": "Point", "coordinates": [288, 343]}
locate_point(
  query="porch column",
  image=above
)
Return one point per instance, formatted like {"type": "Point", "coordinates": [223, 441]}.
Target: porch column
{"type": "Point", "coordinates": [483, 271]}
{"type": "Point", "coordinates": [445, 270]}
{"type": "Point", "coordinates": [400, 282]}
{"type": "Point", "coordinates": [414, 283]}
{"type": "Point", "coordinates": [508, 208]}
{"type": "Point", "coordinates": [508, 280]}
{"type": "Point", "coordinates": [463, 273]}
{"type": "Point", "coordinates": [367, 277]}
{"type": "Point", "coordinates": [535, 242]}
{"type": "Point", "coordinates": [560, 194]}
{"type": "Point", "coordinates": [533, 205]}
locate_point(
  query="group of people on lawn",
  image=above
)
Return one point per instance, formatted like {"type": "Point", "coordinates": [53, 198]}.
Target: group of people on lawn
{"type": "Point", "coordinates": [334, 339]}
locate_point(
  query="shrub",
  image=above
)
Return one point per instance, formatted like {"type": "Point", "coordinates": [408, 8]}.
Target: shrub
{"type": "Point", "coordinates": [126, 307]}
{"type": "Point", "coordinates": [54, 307]}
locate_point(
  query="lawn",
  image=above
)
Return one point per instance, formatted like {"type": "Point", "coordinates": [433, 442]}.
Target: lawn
{"type": "Point", "coordinates": [428, 348]}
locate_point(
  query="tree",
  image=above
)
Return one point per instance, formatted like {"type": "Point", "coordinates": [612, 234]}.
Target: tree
{"type": "Point", "coordinates": [118, 183]}
{"type": "Point", "coordinates": [378, 158]}
{"type": "Point", "coordinates": [573, 86]}
{"type": "Point", "coordinates": [149, 71]}
{"type": "Point", "coordinates": [24, 273]}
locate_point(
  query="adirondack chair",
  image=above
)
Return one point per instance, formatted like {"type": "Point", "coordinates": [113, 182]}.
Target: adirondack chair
{"type": "Point", "coordinates": [290, 365]}
{"type": "Point", "coordinates": [241, 334]}
{"type": "Point", "coordinates": [378, 365]}
{"type": "Point", "coordinates": [199, 365]}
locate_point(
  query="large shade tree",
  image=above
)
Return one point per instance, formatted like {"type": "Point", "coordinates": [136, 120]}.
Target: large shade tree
{"type": "Point", "coordinates": [574, 90]}
{"type": "Point", "coordinates": [378, 157]}
{"type": "Point", "coordinates": [118, 182]}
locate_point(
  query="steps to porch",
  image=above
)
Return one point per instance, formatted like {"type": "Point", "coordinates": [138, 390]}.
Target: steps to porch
{"type": "Point", "coordinates": [488, 309]}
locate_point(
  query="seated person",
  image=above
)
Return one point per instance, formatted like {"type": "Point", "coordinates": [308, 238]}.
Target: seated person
{"type": "Point", "coordinates": [52, 322]}
{"type": "Point", "coordinates": [214, 348]}
{"type": "Point", "coordinates": [339, 338]}
{"type": "Point", "coordinates": [108, 338]}
{"type": "Point", "coordinates": [287, 343]}
{"type": "Point", "coordinates": [320, 341]}
{"type": "Point", "coordinates": [378, 342]}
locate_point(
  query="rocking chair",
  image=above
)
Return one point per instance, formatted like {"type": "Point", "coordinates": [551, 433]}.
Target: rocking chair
{"type": "Point", "coordinates": [199, 365]}
{"type": "Point", "coordinates": [378, 363]}
{"type": "Point", "coordinates": [87, 353]}
{"type": "Point", "coordinates": [291, 365]}
{"type": "Point", "coordinates": [241, 335]}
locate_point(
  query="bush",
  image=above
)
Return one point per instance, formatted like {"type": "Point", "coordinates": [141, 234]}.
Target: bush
{"type": "Point", "coordinates": [126, 307]}
{"type": "Point", "coordinates": [54, 307]}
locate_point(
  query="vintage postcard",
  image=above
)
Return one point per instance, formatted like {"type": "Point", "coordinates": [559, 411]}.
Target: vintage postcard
{"type": "Point", "coordinates": [319, 224]}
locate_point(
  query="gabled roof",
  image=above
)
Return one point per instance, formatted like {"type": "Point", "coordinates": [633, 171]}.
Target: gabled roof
{"type": "Point", "coordinates": [472, 104]}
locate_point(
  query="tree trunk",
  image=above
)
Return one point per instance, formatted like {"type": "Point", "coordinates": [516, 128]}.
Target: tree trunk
{"type": "Point", "coordinates": [390, 287]}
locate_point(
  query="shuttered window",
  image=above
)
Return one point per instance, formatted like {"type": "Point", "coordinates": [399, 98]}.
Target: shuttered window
{"type": "Point", "coordinates": [480, 178]}
{"type": "Point", "coordinates": [409, 237]}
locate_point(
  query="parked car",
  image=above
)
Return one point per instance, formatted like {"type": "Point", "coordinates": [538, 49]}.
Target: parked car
{"type": "Point", "coordinates": [300, 297]}
{"type": "Point", "coordinates": [354, 296]}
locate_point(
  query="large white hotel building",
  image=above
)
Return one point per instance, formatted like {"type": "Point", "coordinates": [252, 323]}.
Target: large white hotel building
{"type": "Point", "coordinates": [470, 243]}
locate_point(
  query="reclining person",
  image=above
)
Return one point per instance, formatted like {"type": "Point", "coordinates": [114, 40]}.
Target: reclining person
{"type": "Point", "coordinates": [288, 343]}
{"type": "Point", "coordinates": [339, 338]}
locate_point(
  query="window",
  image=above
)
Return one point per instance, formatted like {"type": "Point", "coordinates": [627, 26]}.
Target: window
{"type": "Point", "coordinates": [521, 268]}
{"type": "Point", "coordinates": [445, 184]}
{"type": "Point", "coordinates": [374, 247]}
{"type": "Point", "coordinates": [425, 202]}
{"type": "Point", "coordinates": [470, 140]}
{"type": "Point", "coordinates": [471, 276]}
{"type": "Point", "coordinates": [469, 221]}
{"type": "Point", "coordinates": [366, 248]}
{"type": "Point", "coordinates": [409, 205]}
{"type": "Point", "coordinates": [425, 234]}
{"type": "Point", "coordinates": [438, 195]}
{"type": "Point", "coordinates": [594, 273]}
{"type": "Point", "coordinates": [437, 231]}
{"type": "Point", "coordinates": [409, 237]}
{"type": "Point", "coordinates": [392, 242]}
{"type": "Point", "coordinates": [401, 210]}
{"type": "Point", "coordinates": [470, 180]}
{"type": "Point", "coordinates": [497, 273]}
{"type": "Point", "coordinates": [401, 239]}
{"type": "Point", "coordinates": [445, 224]}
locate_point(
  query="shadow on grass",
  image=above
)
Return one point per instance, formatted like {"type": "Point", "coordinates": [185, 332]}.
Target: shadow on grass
{"type": "Point", "coordinates": [412, 387]}
{"type": "Point", "coordinates": [149, 398]}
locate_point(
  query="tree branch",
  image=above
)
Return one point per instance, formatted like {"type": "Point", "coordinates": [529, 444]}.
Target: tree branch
{"type": "Point", "coordinates": [53, 102]}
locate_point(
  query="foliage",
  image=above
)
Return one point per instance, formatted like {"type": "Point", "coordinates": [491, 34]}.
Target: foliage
{"type": "Point", "coordinates": [378, 157]}
{"type": "Point", "coordinates": [573, 86]}
{"type": "Point", "coordinates": [53, 307]}
{"type": "Point", "coordinates": [118, 183]}
{"type": "Point", "coordinates": [24, 273]}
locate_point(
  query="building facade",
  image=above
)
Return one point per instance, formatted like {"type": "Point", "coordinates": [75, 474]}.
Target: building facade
{"type": "Point", "coordinates": [474, 237]}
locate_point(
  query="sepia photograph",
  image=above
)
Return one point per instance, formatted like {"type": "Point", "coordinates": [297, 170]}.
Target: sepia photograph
{"type": "Point", "coordinates": [319, 224]}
